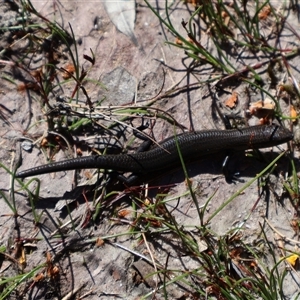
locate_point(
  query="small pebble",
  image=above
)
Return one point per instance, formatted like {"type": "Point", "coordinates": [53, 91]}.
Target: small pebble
{"type": "Point", "coordinates": [27, 146]}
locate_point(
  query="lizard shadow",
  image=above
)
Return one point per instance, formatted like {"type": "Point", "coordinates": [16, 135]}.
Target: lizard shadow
{"type": "Point", "coordinates": [247, 167]}
{"type": "Point", "coordinates": [238, 163]}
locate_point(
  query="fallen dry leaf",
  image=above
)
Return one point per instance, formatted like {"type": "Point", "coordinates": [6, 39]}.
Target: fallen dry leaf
{"type": "Point", "coordinates": [123, 213]}
{"type": "Point", "coordinates": [38, 277]}
{"type": "Point", "coordinates": [232, 100]}
{"type": "Point", "coordinates": [116, 275]}
{"type": "Point", "coordinates": [99, 242]}
{"type": "Point", "coordinates": [267, 104]}
{"type": "Point", "coordinates": [67, 71]}
{"type": "Point", "coordinates": [22, 259]}
{"type": "Point", "coordinates": [293, 113]}
{"type": "Point", "coordinates": [265, 12]}
{"type": "Point", "coordinates": [178, 41]}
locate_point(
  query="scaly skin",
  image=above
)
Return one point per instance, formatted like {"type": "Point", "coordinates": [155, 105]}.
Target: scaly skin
{"type": "Point", "coordinates": [192, 145]}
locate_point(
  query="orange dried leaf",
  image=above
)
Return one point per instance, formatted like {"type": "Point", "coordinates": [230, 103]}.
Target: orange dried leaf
{"type": "Point", "coordinates": [193, 2]}
{"type": "Point", "coordinates": [178, 41]}
{"type": "Point", "coordinates": [79, 151]}
{"type": "Point", "coordinates": [67, 71]}
{"type": "Point", "coordinates": [265, 120]}
{"type": "Point", "coordinates": [224, 14]}
{"type": "Point", "coordinates": [44, 142]}
{"type": "Point", "coordinates": [48, 257]}
{"type": "Point", "coordinates": [36, 73]}
{"type": "Point", "coordinates": [99, 242]}
{"type": "Point", "coordinates": [88, 174]}
{"type": "Point", "coordinates": [253, 264]}
{"type": "Point", "coordinates": [264, 13]}
{"type": "Point", "coordinates": [22, 259]}
{"type": "Point", "coordinates": [21, 87]}
{"type": "Point", "coordinates": [52, 271]}
{"type": "Point", "coordinates": [293, 113]}
{"type": "Point", "coordinates": [116, 275]}
{"type": "Point", "coordinates": [155, 223]}
{"type": "Point", "coordinates": [38, 277]}
{"type": "Point", "coordinates": [295, 225]}
{"type": "Point", "coordinates": [190, 40]}
{"type": "Point", "coordinates": [55, 271]}
{"type": "Point", "coordinates": [123, 213]}
{"type": "Point", "coordinates": [267, 104]}
{"type": "Point", "coordinates": [236, 253]}
{"type": "Point", "coordinates": [232, 100]}
{"type": "Point", "coordinates": [225, 17]}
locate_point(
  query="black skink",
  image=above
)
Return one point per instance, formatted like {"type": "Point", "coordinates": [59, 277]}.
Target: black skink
{"type": "Point", "coordinates": [192, 145]}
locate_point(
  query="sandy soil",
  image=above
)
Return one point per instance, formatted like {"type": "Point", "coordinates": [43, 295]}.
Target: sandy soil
{"type": "Point", "coordinates": [130, 73]}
